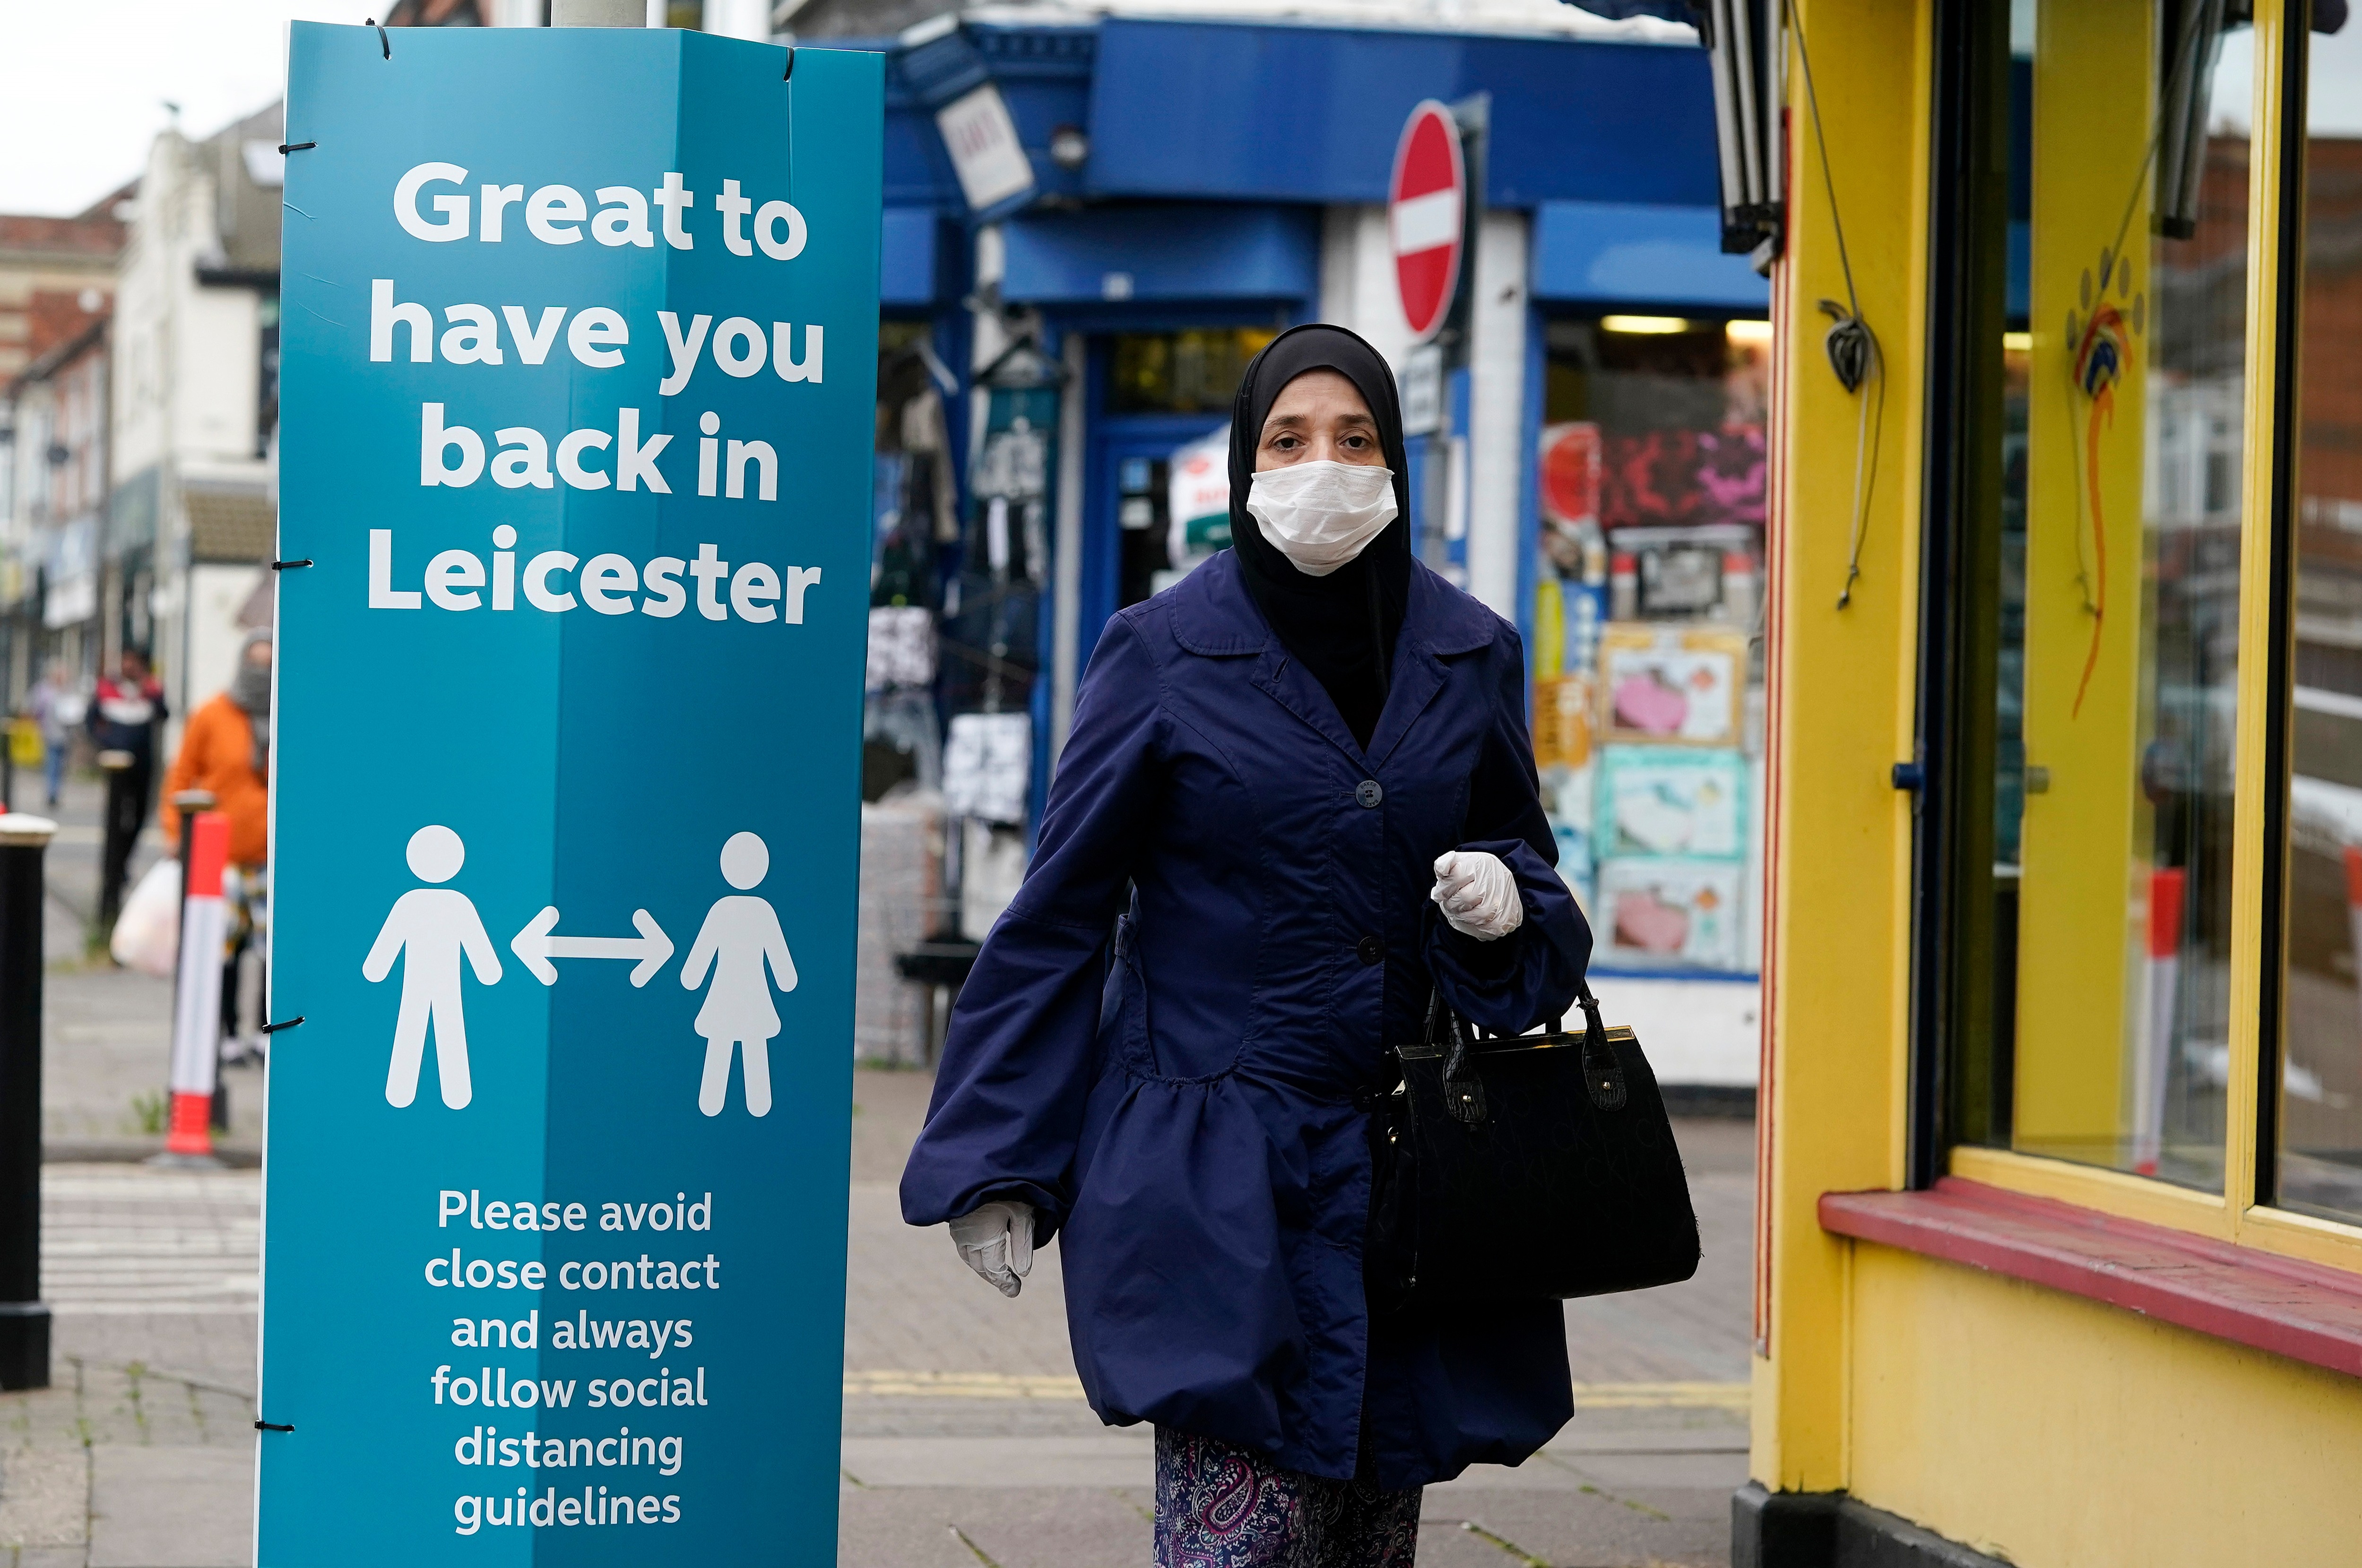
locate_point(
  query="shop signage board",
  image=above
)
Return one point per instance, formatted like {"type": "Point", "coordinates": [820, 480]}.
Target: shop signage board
{"type": "Point", "coordinates": [579, 352]}
{"type": "Point", "coordinates": [985, 154]}
{"type": "Point", "coordinates": [1421, 378]}
{"type": "Point", "coordinates": [1427, 209]}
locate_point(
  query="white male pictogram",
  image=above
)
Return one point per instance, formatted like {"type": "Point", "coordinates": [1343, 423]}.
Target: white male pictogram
{"type": "Point", "coordinates": [429, 928]}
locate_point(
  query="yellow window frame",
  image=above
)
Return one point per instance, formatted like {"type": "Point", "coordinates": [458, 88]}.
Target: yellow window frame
{"type": "Point", "coordinates": [2274, 285]}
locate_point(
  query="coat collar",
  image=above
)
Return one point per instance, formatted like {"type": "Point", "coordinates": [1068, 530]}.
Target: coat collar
{"type": "Point", "coordinates": [1213, 615]}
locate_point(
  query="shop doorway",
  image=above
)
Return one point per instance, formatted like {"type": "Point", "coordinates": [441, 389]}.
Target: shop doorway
{"type": "Point", "coordinates": [1152, 394]}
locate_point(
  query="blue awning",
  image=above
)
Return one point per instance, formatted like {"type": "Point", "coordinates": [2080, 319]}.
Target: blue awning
{"type": "Point", "coordinates": [1614, 253]}
{"type": "Point", "coordinates": [1162, 250]}
{"type": "Point", "coordinates": [909, 259]}
{"type": "Point", "coordinates": [1282, 110]}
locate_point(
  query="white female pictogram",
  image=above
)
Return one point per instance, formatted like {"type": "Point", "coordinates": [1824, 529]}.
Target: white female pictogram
{"type": "Point", "coordinates": [429, 928]}
{"type": "Point", "coordinates": [740, 934]}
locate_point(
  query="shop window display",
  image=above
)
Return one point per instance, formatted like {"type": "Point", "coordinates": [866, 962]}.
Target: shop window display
{"type": "Point", "coordinates": [1172, 508]}
{"type": "Point", "coordinates": [1196, 370]}
{"type": "Point", "coordinates": [1647, 695]}
{"type": "Point", "coordinates": [914, 520]}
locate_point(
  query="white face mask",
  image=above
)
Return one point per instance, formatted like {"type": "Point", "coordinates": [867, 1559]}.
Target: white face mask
{"type": "Point", "coordinates": [1321, 514]}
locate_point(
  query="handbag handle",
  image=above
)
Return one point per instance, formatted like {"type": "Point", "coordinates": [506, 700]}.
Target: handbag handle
{"type": "Point", "coordinates": [1463, 1091]}
{"type": "Point", "coordinates": [1603, 1072]}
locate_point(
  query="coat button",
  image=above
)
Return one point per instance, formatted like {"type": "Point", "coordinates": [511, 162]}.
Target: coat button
{"type": "Point", "coordinates": [1371, 949]}
{"type": "Point", "coordinates": [1369, 792]}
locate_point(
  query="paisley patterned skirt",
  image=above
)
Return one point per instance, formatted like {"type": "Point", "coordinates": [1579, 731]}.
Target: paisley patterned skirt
{"type": "Point", "coordinates": [1218, 1506]}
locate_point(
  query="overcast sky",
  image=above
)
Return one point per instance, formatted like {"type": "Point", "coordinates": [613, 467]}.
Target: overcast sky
{"type": "Point", "coordinates": [2334, 105]}
{"type": "Point", "coordinates": [83, 83]}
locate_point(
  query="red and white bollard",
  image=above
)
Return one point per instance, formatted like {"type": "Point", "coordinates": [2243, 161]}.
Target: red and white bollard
{"type": "Point", "coordinates": [2353, 900]}
{"type": "Point", "coordinates": [2155, 1064]}
{"type": "Point", "coordinates": [196, 1002]}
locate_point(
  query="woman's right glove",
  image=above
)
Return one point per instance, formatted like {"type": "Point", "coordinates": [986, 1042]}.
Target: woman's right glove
{"type": "Point", "coordinates": [1478, 894]}
{"type": "Point", "coordinates": [997, 1240]}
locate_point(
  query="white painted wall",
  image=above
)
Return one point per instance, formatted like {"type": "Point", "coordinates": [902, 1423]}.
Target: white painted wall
{"type": "Point", "coordinates": [1497, 426]}
{"type": "Point", "coordinates": [185, 394]}
{"type": "Point", "coordinates": [1357, 280]}
{"type": "Point", "coordinates": [1357, 290]}
{"type": "Point", "coordinates": [1695, 1032]}
{"type": "Point", "coordinates": [141, 436]}
{"type": "Point", "coordinates": [217, 357]}
{"type": "Point", "coordinates": [748, 19]}
{"type": "Point", "coordinates": [217, 593]}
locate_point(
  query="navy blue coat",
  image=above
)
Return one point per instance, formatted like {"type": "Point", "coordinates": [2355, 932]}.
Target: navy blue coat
{"type": "Point", "coordinates": [1174, 1088]}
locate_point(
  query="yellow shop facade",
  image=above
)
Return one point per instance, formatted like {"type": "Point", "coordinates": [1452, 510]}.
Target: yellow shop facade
{"type": "Point", "coordinates": [2059, 1233]}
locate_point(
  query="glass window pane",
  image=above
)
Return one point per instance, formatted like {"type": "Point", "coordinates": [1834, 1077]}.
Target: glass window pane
{"type": "Point", "coordinates": [2320, 1164]}
{"type": "Point", "coordinates": [2121, 578]}
{"type": "Point", "coordinates": [1648, 553]}
{"type": "Point", "coordinates": [1196, 370]}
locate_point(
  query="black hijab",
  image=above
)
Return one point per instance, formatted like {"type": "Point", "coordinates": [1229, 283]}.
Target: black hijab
{"type": "Point", "coordinates": [1341, 627]}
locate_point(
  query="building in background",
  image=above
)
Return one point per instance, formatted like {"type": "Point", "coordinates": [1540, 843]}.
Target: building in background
{"type": "Point", "coordinates": [59, 509]}
{"type": "Point", "coordinates": [1088, 237]}
{"type": "Point", "coordinates": [1085, 241]}
{"type": "Point", "coordinates": [181, 567]}
{"type": "Point", "coordinates": [57, 290]}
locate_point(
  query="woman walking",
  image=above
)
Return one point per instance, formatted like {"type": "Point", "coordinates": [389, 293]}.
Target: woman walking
{"type": "Point", "coordinates": [1297, 796]}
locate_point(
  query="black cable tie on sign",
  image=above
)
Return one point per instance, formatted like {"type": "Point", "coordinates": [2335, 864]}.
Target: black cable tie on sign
{"type": "Point", "coordinates": [289, 566]}
{"type": "Point", "coordinates": [289, 1023]}
{"type": "Point", "coordinates": [382, 43]}
{"type": "Point", "coordinates": [790, 70]}
{"type": "Point", "coordinates": [287, 147]}
{"type": "Point", "coordinates": [271, 1426]}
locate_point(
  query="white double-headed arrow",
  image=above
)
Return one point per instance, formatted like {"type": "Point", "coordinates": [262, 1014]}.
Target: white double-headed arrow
{"type": "Point", "coordinates": [537, 946]}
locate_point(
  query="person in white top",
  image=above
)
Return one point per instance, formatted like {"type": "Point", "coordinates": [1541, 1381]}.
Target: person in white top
{"type": "Point", "coordinates": [57, 705]}
{"type": "Point", "coordinates": [740, 934]}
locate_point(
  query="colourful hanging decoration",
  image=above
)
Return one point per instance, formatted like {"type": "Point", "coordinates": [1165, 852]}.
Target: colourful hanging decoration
{"type": "Point", "coordinates": [2102, 354]}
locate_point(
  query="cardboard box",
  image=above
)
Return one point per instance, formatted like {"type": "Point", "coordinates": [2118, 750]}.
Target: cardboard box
{"type": "Point", "coordinates": [1671, 912]}
{"type": "Point", "coordinates": [1671, 799]}
{"type": "Point", "coordinates": [1565, 706]}
{"type": "Point", "coordinates": [1567, 800]}
{"type": "Point", "coordinates": [1672, 685]}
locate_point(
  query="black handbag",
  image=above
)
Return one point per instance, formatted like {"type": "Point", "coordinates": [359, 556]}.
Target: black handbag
{"type": "Point", "coordinates": [1526, 1168]}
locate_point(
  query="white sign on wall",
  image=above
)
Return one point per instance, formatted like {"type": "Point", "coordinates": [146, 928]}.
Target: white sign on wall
{"type": "Point", "coordinates": [985, 154]}
{"type": "Point", "coordinates": [1422, 389]}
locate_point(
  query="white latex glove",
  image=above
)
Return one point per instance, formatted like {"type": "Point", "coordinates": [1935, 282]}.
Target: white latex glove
{"type": "Point", "coordinates": [997, 1240]}
{"type": "Point", "coordinates": [1477, 894]}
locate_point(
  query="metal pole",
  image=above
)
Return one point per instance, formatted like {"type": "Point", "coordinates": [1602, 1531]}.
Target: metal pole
{"type": "Point", "coordinates": [598, 13]}
{"type": "Point", "coordinates": [24, 1318]}
{"type": "Point", "coordinates": [115, 852]}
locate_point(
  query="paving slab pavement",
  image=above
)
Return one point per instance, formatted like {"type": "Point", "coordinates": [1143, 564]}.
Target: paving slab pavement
{"type": "Point", "coordinates": [171, 1507]}
{"type": "Point", "coordinates": [966, 1441]}
{"type": "Point", "coordinates": [107, 1033]}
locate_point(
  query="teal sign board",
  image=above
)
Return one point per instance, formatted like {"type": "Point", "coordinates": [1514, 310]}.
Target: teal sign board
{"type": "Point", "coordinates": [579, 342]}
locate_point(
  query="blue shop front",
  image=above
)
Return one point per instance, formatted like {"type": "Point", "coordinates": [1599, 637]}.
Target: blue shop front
{"type": "Point", "coordinates": [1095, 221]}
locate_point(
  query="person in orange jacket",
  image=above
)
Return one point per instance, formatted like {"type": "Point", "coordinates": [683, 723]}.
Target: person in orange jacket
{"type": "Point", "coordinates": [226, 752]}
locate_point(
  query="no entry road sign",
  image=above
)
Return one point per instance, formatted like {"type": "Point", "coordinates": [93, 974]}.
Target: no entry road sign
{"type": "Point", "coordinates": [1426, 204]}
